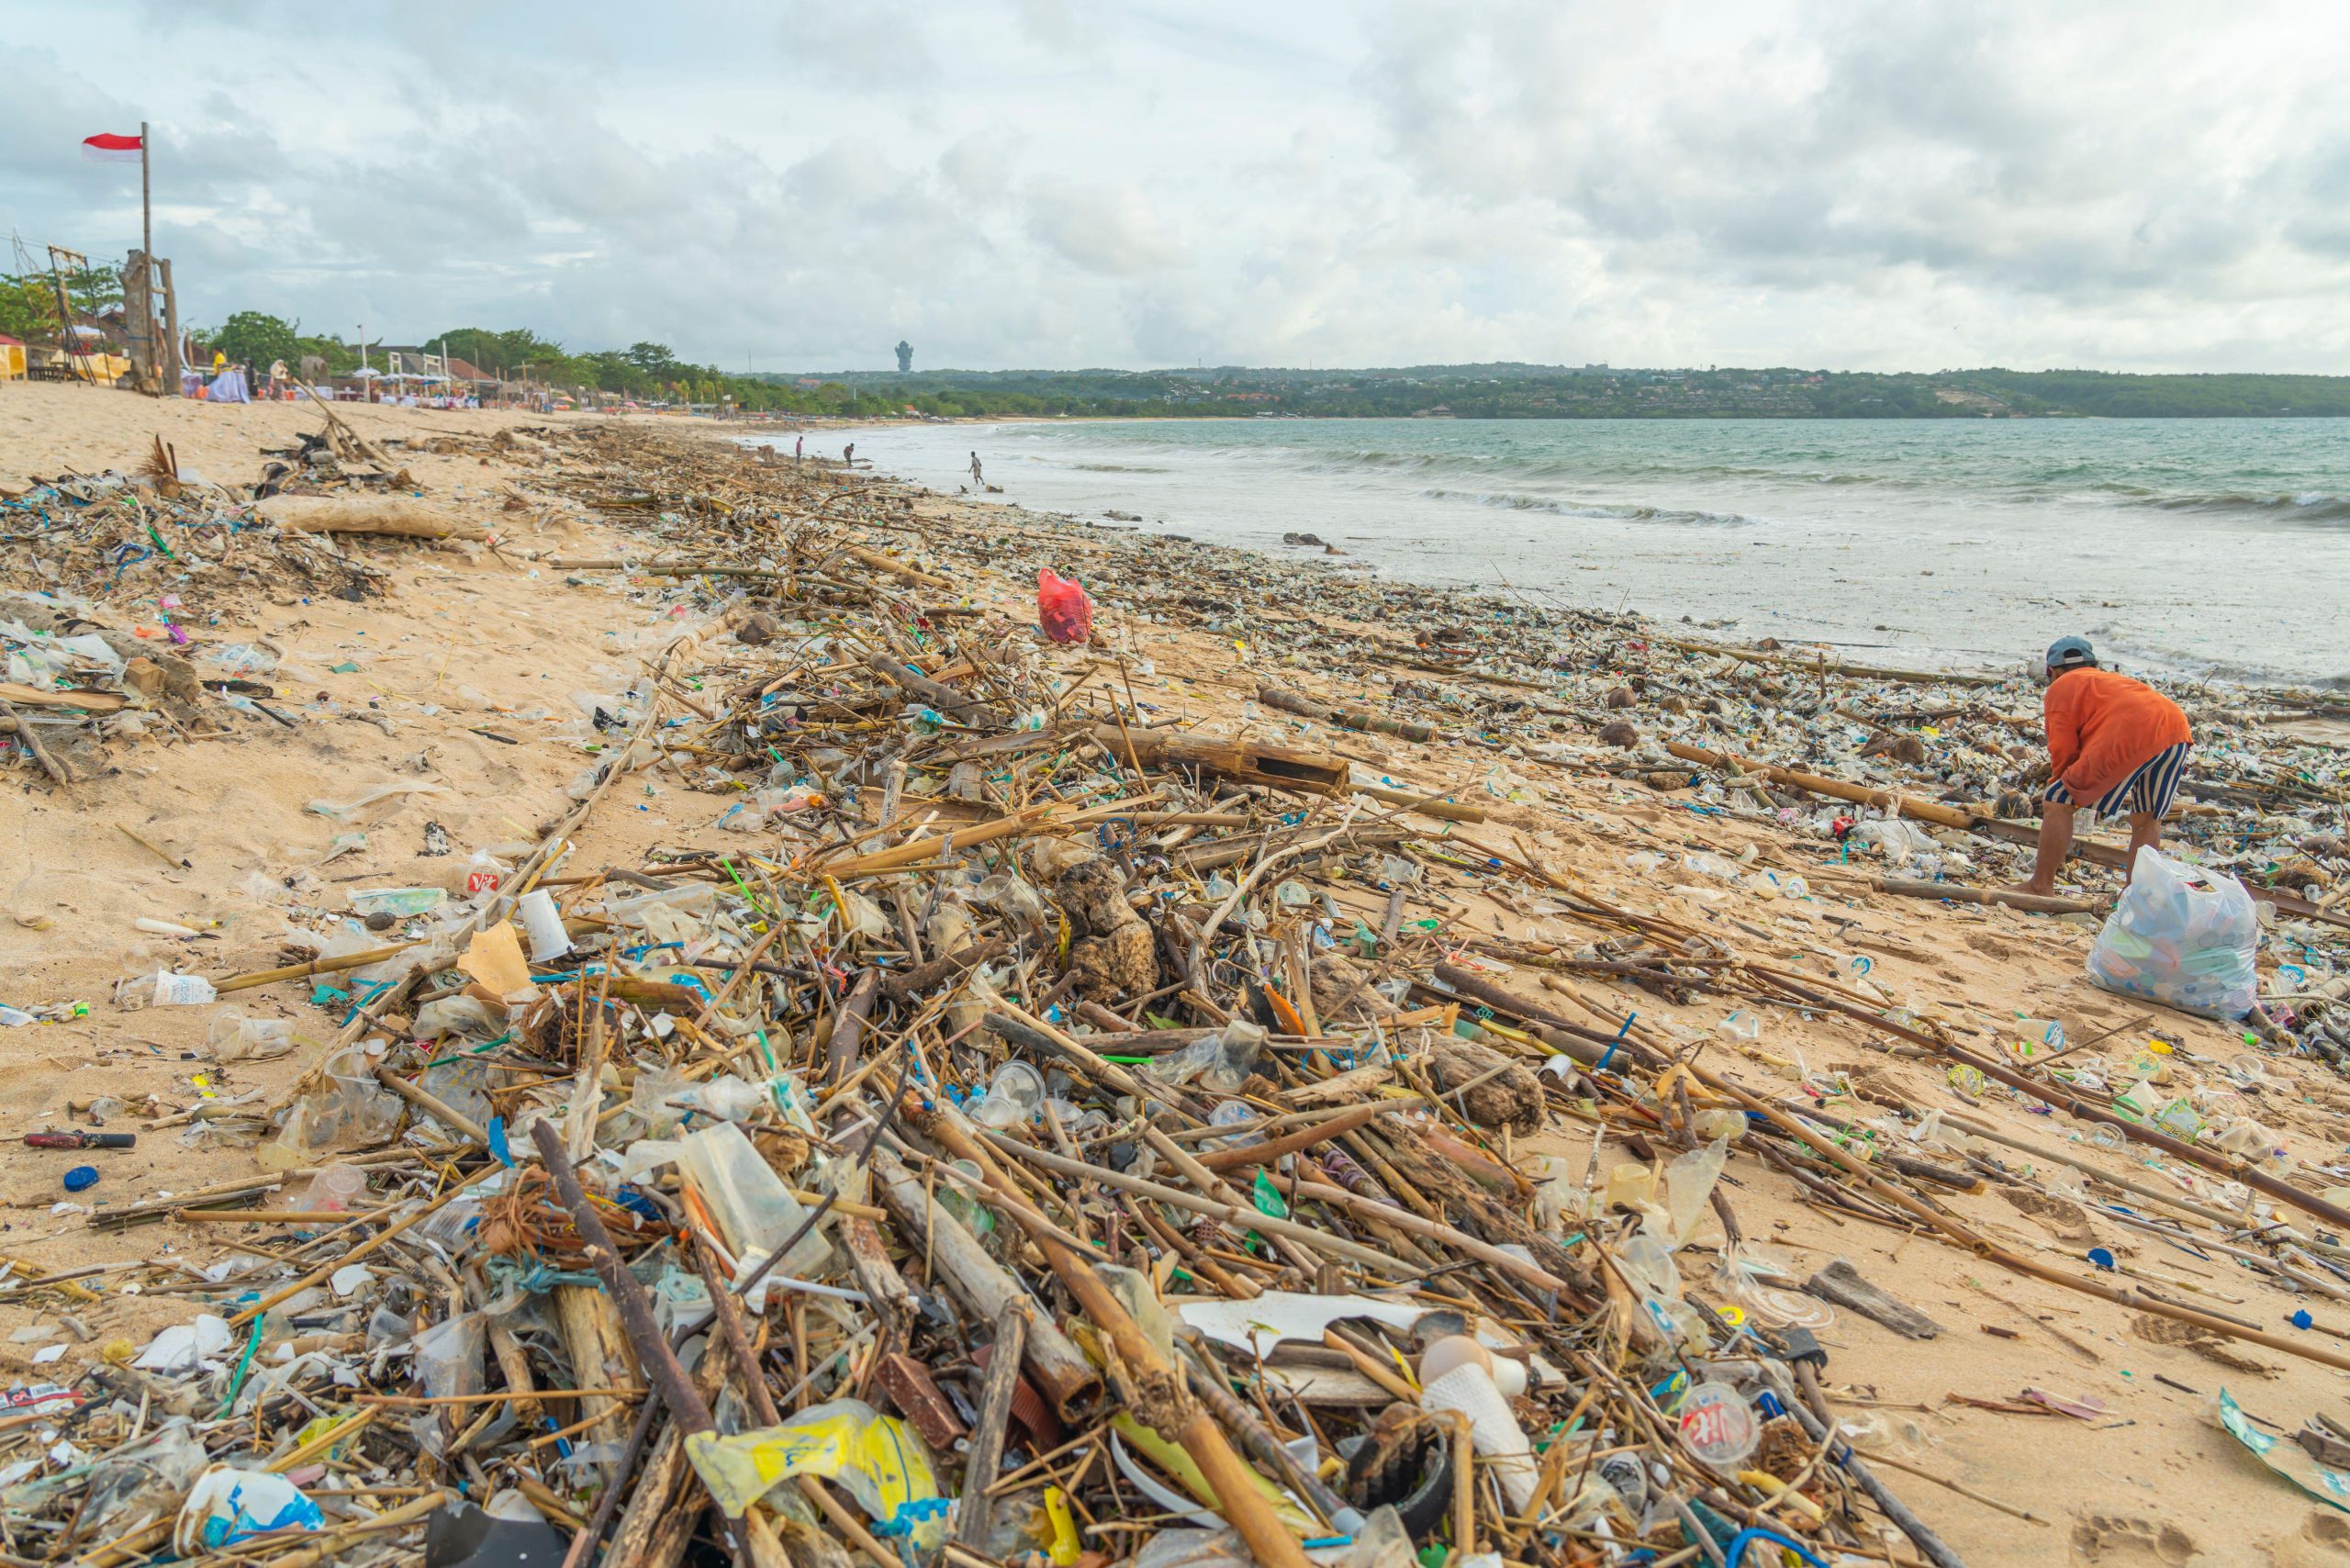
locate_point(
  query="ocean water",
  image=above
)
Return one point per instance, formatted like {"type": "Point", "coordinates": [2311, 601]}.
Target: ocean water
{"type": "Point", "coordinates": [2218, 547]}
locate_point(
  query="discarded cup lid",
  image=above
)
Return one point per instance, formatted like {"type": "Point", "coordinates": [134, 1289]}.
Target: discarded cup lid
{"type": "Point", "coordinates": [1717, 1425]}
{"type": "Point", "coordinates": [81, 1177]}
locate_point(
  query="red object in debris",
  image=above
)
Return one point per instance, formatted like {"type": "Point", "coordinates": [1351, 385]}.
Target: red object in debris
{"type": "Point", "coordinates": [1062, 608]}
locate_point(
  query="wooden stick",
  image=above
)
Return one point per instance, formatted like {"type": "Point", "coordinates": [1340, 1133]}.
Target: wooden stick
{"type": "Point", "coordinates": [420, 1402]}
{"type": "Point", "coordinates": [24, 732]}
{"type": "Point", "coordinates": [985, 1458]}
{"type": "Point", "coordinates": [1238, 1215]}
{"type": "Point", "coordinates": [1244, 1155]}
{"type": "Point", "coordinates": [425, 1100]}
{"type": "Point", "coordinates": [320, 1275]}
{"type": "Point", "coordinates": [974, 1277]}
{"type": "Point", "coordinates": [1231, 1482]}
{"type": "Point", "coordinates": [1958, 892]}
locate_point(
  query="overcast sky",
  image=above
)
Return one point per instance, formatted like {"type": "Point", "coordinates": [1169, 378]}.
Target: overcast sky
{"type": "Point", "coordinates": [1066, 183]}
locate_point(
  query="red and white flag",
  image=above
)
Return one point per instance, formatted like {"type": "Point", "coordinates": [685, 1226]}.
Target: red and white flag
{"type": "Point", "coordinates": [113, 148]}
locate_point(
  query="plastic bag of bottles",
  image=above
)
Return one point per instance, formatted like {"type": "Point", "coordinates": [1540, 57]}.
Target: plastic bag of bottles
{"type": "Point", "coordinates": [2181, 936]}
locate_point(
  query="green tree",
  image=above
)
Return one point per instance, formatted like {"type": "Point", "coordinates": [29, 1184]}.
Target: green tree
{"type": "Point", "coordinates": [254, 338]}
{"type": "Point", "coordinates": [28, 307]}
{"type": "Point", "coordinates": [653, 360]}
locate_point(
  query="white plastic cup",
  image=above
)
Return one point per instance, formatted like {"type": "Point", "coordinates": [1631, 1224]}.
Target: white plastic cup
{"type": "Point", "coordinates": [543, 922]}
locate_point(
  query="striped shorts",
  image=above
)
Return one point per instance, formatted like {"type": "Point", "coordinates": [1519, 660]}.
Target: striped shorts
{"type": "Point", "coordinates": [2150, 790]}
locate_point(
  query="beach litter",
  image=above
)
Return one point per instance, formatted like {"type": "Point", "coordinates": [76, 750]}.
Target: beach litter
{"type": "Point", "coordinates": [1025, 1124]}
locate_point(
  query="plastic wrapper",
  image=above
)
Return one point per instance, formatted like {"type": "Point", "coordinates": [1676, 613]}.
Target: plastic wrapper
{"type": "Point", "coordinates": [878, 1459]}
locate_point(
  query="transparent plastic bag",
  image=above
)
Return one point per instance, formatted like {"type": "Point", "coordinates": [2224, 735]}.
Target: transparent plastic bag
{"type": "Point", "coordinates": [755, 1212]}
{"type": "Point", "coordinates": [1222, 1061]}
{"type": "Point", "coordinates": [348, 1110]}
{"type": "Point", "coordinates": [2181, 936]}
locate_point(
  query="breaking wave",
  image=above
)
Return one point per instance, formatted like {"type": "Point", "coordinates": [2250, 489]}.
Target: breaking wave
{"type": "Point", "coordinates": [1622, 511]}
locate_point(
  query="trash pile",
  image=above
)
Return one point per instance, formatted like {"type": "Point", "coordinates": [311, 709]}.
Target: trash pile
{"type": "Point", "coordinates": [1020, 1129]}
{"type": "Point", "coordinates": [113, 586]}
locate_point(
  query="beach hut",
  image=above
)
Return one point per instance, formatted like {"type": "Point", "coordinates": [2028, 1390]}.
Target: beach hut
{"type": "Point", "coordinates": [12, 358]}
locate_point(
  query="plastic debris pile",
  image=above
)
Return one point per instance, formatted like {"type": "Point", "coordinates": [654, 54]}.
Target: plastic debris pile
{"type": "Point", "coordinates": [1017, 1127]}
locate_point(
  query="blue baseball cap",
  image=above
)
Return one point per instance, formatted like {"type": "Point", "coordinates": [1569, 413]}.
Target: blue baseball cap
{"type": "Point", "coordinates": [2066, 653]}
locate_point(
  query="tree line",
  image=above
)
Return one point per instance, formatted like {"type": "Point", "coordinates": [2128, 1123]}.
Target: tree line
{"type": "Point", "coordinates": [650, 372]}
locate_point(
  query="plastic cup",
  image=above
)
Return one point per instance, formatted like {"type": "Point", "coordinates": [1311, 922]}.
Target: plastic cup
{"type": "Point", "coordinates": [335, 1189]}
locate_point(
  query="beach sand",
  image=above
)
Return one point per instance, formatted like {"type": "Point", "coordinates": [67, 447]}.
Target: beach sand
{"type": "Point", "coordinates": [467, 641]}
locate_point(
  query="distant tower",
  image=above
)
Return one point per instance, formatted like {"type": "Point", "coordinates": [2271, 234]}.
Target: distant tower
{"type": "Point", "coordinates": [905, 356]}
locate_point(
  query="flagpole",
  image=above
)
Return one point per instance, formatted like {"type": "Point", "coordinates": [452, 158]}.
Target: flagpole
{"type": "Point", "coordinates": [146, 212]}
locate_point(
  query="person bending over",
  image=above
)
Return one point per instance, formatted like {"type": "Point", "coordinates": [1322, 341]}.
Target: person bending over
{"type": "Point", "coordinates": [2114, 743]}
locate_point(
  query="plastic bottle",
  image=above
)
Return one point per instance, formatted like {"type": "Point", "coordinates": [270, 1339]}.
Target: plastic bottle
{"type": "Point", "coordinates": [162, 988]}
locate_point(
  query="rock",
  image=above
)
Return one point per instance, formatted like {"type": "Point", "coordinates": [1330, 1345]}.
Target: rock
{"type": "Point", "coordinates": [1622, 697]}
{"type": "Point", "coordinates": [1620, 733]}
{"type": "Point", "coordinates": [757, 629]}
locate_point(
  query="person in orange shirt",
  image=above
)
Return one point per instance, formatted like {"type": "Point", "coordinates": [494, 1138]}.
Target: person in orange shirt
{"type": "Point", "coordinates": [2114, 744]}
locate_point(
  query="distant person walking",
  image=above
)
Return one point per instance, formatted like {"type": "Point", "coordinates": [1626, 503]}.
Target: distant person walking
{"type": "Point", "coordinates": [2114, 744]}
{"type": "Point", "coordinates": [800, 451]}
{"type": "Point", "coordinates": [848, 455]}
{"type": "Point", "coordinates": [978, 482]}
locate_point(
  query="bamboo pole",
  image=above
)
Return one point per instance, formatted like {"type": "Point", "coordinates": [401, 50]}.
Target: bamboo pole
{"type": "Point", "coordinates": [1959, 892]}
{"type": "Point", "coordinates": [1165, 1403]}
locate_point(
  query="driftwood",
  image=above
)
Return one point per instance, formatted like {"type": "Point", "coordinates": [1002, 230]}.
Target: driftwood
{"type": "Point", "coordinates": [957, 1260]}
{"type": "Point", "coordinates": [1241, 762]}
{"type": "Point", "coordinates": [400, 516]}
{"type": "Point", "coordinates": [1344, 717]}
{"type": "Point", "coordinates": [1841, 1283]}
{"type": "Point", "coordinates": [16, 693]}
{"type": "Point", "coordinates": [56, 771]}
{"type": "Point", "coordinates": [985, 1457]}
{"type": "Point", "coordinates": [1821, 663]}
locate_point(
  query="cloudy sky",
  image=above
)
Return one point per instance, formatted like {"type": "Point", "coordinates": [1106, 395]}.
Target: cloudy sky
{"type": "Point", "coordinates": [1069, 182]}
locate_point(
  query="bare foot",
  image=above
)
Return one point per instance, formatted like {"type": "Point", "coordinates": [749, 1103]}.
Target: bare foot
{"type": "Point", "coordinates": [2037, 890]}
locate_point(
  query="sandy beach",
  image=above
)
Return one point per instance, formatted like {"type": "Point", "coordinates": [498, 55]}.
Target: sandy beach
{"type": "Point", "coordinates": [454, 698]}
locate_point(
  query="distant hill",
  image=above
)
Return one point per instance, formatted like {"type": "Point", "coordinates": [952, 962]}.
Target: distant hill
{"type": "Point", "coordinates": [1511, 390]}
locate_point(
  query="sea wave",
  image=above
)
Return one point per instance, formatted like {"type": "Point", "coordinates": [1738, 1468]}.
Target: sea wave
{"type": "Point", "coordinates": [1118, 468]}
{"type": "Point", "coordinates": [2297, 506]}
{"type": "Point", "coordinates": [1622, 511]}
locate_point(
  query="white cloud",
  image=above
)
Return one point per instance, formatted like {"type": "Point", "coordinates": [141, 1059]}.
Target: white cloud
{"type": "Point", "coordinates": [1111, 231]}
{"type": "Point", "coordinates": [1062, 182]}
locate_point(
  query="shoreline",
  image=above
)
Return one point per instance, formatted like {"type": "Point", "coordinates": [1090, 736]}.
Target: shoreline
{"type": "Point", "coordinates": [2334, 695]}
{"type": "Point", "coordinates": [469, 659]}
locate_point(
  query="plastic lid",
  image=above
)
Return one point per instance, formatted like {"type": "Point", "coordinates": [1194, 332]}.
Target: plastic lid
{"type": "Point", "coordinates": [1717, 1425]}
{"type": "Point", "coordinates": [81, 1177]}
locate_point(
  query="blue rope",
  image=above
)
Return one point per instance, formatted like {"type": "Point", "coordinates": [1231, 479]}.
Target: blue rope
{"type": "Point", "coordinates": [1735, 1552]}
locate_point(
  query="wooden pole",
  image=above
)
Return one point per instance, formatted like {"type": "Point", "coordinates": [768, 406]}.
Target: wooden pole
{"type": "Point", "coordinates": [1163, 1403]}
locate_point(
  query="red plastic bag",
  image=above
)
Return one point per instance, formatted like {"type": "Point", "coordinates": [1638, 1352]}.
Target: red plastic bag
{"type": "Point", "coordinates": [1062, 608]}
